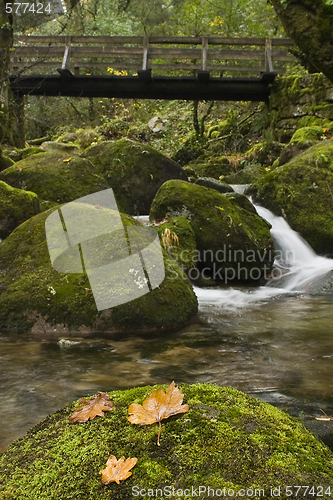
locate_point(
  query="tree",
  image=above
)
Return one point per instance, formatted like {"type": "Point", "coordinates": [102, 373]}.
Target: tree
{"type": "Point", "coordinates": [6, 42]}
{"type": "Point", "coordinates": [309, 23]}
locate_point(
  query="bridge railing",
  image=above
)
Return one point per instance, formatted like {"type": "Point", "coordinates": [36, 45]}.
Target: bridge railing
{"type": "Point", "coordinates": [220, 56]}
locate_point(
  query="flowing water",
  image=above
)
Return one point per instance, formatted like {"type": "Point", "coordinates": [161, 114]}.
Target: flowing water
{"type": "Point", "coordinates": [275, 342]}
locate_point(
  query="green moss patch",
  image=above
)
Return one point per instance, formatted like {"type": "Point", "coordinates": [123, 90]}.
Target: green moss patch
{"type": "Point", "coordinates": [225, 440]}
{"type": "Point", "coordinates": [35, 297]}
{"type": "Point", "coordinates": [16, 206]}
{"type": "Point", "coordinates": [135, 171]}
{"type": "Point", "coordinates": [55, 176]}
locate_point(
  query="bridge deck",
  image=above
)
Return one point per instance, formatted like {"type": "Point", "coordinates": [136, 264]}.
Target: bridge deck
{"type": "Point", "coordinates": [130, 67]}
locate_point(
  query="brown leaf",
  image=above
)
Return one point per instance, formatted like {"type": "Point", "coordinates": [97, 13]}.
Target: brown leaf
{"type": "Point", "coordinates": [95, 406]}
{"type": "Point", "coordinates": [157, 406]}
{"type": "Point", "coordinates": [117, 470]}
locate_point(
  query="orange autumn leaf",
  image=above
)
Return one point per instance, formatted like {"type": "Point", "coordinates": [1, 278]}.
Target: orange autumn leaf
{"type": "Point", "coordinates": [94, 407]}
{"type": "Point", "coordinates": [157, 406]}
{"type": "Point", "coordinates": [117, 470]}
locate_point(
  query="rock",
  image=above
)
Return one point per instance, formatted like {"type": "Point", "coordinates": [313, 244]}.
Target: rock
{"type": "Point", "coordinates": [53, 146]}
{"type": "Point", "coordinates": [302, 192]}
{"type": "Point", "coordinates": [233, 243]}
{"type": "Point", "coordinates": [5, 162]}
{"type": "Point", "coordinates": [16, 206]}
{"type": "Point", "coordinates": [246, 175]}
{"type": "Point", "coordinates": [227, 441]}
{"type": "Point", "coordinates": [135, 171]}
{"type": "Point", "coordinates": [34, 297]}
{"type": "Point", "coordinates": [55, 177]}
{"type": "Point", "coordinates": [210, 182]}
{"type": "Point", "coordinates": [264, 153]}
{"type": "Point", "coordinates": [157, 125]}
{"type": "Point", "coordinates": [242, 201]}
{"type": "Point", "coordinates": [215, 167]}
{"type": "Point", "coordinates": [181, 248]}
{"type": "Point", "coordinates": [307, 134]}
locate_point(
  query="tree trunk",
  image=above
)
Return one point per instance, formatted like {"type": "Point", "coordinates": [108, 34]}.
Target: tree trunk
{"type": "Point", "coordinates": [6, 42]}
{"type": "Point", "coordinates": [310, 24]}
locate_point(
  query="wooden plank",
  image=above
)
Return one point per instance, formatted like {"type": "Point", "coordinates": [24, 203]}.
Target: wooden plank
{"type": "Point", "coordinates": [78, 39]}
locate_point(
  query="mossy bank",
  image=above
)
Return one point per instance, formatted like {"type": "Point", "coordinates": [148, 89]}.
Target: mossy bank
{"type": "Point", "coordinates": [225, 440]}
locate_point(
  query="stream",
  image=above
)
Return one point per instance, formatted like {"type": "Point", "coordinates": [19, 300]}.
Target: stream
{"type": "Point", "coordinates": [274, 342]}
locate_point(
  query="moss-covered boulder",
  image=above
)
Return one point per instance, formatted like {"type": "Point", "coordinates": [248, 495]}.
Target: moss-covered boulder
{"type": "Point", "coordinates": [135, 171]}
{"type": "Point", "coordinates": [53, 146]}
{"type": "Point", "coordinates": [302, 192]}
{"type": "Point", "coordinates": [55, 177]}
{"type": "Point", "coordinates": [16, 206]}
{"type": "Point", "coordinates": [213, 167]}
{"type": "Point", "coordinates": [5, 162]}
{"type": "Point", "coordinates": [306, 135]}
{"type": "Point", "coordinates": [232, 242]}
{"type": "Point", "coordinates": [35, 297]}
{"type": "Point", "coordinates": [210, 182]}
{"type": "Point", "coordinates": [178, 239]}
{"type": "Point", "coordinates": [227, 441]}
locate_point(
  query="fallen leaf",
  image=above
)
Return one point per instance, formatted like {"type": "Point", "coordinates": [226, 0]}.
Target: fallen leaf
{"type": "Point", "coordinates": [117, 470]}
{"type": "Point", "coordinates": [67, 160]}
{"type": "Point", "coordinates": [325, 417]}
{"type": "Point", "coordinates": [94, 407]}
{"type": "Point", "coordinates": [157, 406]}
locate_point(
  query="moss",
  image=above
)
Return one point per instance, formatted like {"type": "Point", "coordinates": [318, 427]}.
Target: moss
{"type": "Point", "coordinates": [226, 439]}
{"type": "Point", "coordinates": [214, 167]}
{"type": "Point", "coordinates": [16, 206]}
{"type": "Point", "coordinates": [209, 182]}
{"type": "Point", "coordinates": [31, 150]}
{"type": "Point", "coordinates": [246, 175]}
{"type": "Point", "coordinates": [305, 134]}
{"type": "Point", "coordinates": [5, 162]}
{"type": "Point", "coordinates": [183, 249]}
{"type": "Point", "coordinates": [33, 295]}
{"type": "Point", "coordinates": [220, 225]}
{"type": "Point", "coordinates": [53, 146]}
{"type": "Point", "coordinates": [135, 171]}
{"type": "Point", "coordinates": [55, 177]}
{"type": "Point", "coordinates": [301, 190]}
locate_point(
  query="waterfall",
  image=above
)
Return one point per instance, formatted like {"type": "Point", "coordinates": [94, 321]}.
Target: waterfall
{"type": "Point", "coordinates": [297, 266]}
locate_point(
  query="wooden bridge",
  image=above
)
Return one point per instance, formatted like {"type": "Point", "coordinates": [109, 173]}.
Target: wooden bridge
{"type": "Point", "coordinates": [205, 68]}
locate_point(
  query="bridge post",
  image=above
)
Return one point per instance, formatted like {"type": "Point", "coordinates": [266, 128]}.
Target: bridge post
{"type": "Point", "coordinates": [145, 73]}
{"type": "Point", "coordinates": [268, 56]}
{"type": "Point", "coordinates": [203, 75]}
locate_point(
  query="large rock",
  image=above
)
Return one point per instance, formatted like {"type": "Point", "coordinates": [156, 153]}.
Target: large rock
{"type": "Point", "coordinates": [302, 192]}
{"type": "Point", "coordinates": [232, 242]}
{"type": "Point", "coordinates": [227, 441]}
{"type": "Point", "coordinates": [55, 177]}
{"type": "Point", "coordinates": [135, 172]}
{"type": "Point", "coordinates": [16, 206]}
{"type": "Point", "coordinates": [34, 297]}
